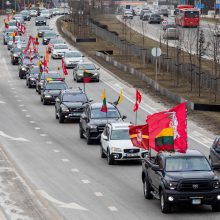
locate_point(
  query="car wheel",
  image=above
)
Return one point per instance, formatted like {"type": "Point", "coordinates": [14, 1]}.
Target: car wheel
{"type": "Point", "coordinates": [81, 132]}
{"type": "Point", "coordinates": [56, 116]}
{"type": "Point", "coordinates": [61, 119]}
{"type": "Point", "coordinates": [146, 189]}
{"type": "Point", "coordinates": [29, 85]}
{"type": "Point", "coordinates": [44, 102]}
{"type": "Point", "coordinates": [110, 159]}
{"type": "Point", "coordinates": [88, 139]}
{"type": "Point", "coordinates": [97, 80]}
{"type": "Point", "coordinates": [102, 154]}
{"type": "Point", "coordinates": [165, 207]}
{"type": "Point", "coordinates": [216, 207]}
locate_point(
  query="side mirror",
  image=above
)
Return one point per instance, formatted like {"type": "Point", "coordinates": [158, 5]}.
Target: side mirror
{"type": "Point", "coordinates": [98, 68]}
{"type": "Point", "coordinates": [57, 35]}
{"type": "Point", "coordinates": [83, 56]}
{"type": "Point", "coordinates": [104, 137]}
{"type": "Point", "coordinates": [84, 117]}
{"type": "Point", "coordinates": [124, 117]}
{"type": "Point", "coordinates": [156, 168]}
{"type": "Point", "coordinates": [90, 100]}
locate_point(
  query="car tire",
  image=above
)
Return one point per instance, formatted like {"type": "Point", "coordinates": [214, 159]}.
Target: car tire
{"type": "Point", "coordinates": [110, 159]}
{"type": "Point", "coordinates": [97, 80]}
{"type": "Point", "coordinates": [29, 85]}
{"type": "Point", "coordinates": [88, 139]}
{"type": "Point", "coordinates": [44, 102]}
{"type": "Point", "coordinates": [81, 132]}
{"type": "Point", "coordinates": [61, 119]}
{"type": "Point", "coordinates": [216, 207]}
{"type": "Point", "coordinates": [147, 188]}
{"type": "Point", "coordinates": [165, 207]}
{"type": "Point", "coordinates": [56, 116]}
{"type": "Point", "coordinates": [102, 154]}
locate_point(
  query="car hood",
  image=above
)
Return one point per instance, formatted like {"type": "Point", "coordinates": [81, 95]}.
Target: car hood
{"type": "Point", "coordinates": [73, 104]}
{"type": "Point", "coordinates": [102, 122]}
{"type": "Point", "coordinates": [190, 175]}
{"type": "Point", "coordinates": [60, 50]}
{"type": "Point", "coordinates": [124, 144]}
{"type": "Point", "coordinates": [73, 59]}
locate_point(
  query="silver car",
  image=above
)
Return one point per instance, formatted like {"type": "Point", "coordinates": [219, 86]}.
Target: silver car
{"type": "Point", "coordinates": [88, 68]}
{"type": "Point", "coordinates": [171, 34]}
{"type": "Point", "coordinates": [59, 50]}
{"type": "Point", "coordinates": [71, 58]}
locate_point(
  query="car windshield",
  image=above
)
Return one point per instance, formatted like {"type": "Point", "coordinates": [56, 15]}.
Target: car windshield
{"type": "Point", "coordinates": [35, 71]}
{"type": "Point", "coordinates": [184, 164]}
{"type": "Point", "coordinates": [73, 54]}
{"type": "Point", "coordinates": [120, 134]}
{"type": "Point", "coordinates": [56, 41]}
{"type": "Point", "coordinates": [191, 14]}
{"type": "Point", "coordinates": [87, 67]}
{"type": "Point", "coordinates": [56, 86]}
{"type": "Point", "coordinates": [98, 114]}
{"type": "Point", "coordinates": [61, 46]}
{"type": "Point", "coordinates": [40, 18]}
{"type": "Point", "coordinates": [47, 34]}
{"type": "Point", "coordinates": [29, 61]}
{"type": "Point", "coordinates": [74, 97]}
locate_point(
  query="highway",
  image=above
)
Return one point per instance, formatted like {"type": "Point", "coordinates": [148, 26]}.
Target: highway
{"type": "Point", "coordinates": [64, 171]}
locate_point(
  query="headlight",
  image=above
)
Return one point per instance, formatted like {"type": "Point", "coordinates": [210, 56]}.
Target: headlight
{"type": "Point", "coordinates": [23, 68]}
{"type": "Point", "coordinates": [116, 149]}
{"type": "Point", "coordinates": [215, 184]}
{"type": "Point", "coordinates": [80, 74]}
{"type": "Point", "coordinates": [65, 109]}
{"type": "Point", "coordinates": [15, 55]}
{"type": "Point", "coordinates": [172, 185]}
{"type": "Point", "coordinates": [47, 96]}
{"type": "Point", "coordinates": [96, 74]}
{"type": "Point", "coordinates": [93, 127]}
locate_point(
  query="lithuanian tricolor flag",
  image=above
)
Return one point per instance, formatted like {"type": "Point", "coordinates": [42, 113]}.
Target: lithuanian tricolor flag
{"type": "Point", "coordinates": [165, 139]}
{"type": "Point", "coordinates": [87, 76]}
{"type": "Point", "coordinates": [104, 102]}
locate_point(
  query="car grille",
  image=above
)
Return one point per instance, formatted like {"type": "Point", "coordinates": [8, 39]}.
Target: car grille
{"type": "Point", "coordinates": [100, 128]}
{"type": "Point", "coordinates": [194, 185]}
{"type": "Point", "coordinates": [132, 151]}
{"type": "Point", "coordinates": [76, 109]}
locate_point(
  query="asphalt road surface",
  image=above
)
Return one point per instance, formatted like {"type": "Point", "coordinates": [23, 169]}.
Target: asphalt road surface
{"type": "Point", "coordinates": [64, 170]}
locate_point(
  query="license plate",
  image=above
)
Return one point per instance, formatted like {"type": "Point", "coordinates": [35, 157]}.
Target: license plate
{"type": "Point", "coordinates": [196, 201]}
{"type": "Point", "coordinates": [132, 155]}
{"type": "Point", "coordinates": [75, 114]}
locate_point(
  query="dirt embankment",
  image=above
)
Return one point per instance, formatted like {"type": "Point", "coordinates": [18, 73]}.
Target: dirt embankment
{"type": "Point", "coordinates": [209, 120]}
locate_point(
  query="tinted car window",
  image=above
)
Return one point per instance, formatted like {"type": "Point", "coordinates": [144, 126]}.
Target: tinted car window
{"type": "Point", "coordinates": [120, 134]}
{"type": "Point", "coordinates": [80, 97]}
{"type": "Point", "coordinates": [56, 86]}
{"type": "Point", "coordinates": [98, 114]}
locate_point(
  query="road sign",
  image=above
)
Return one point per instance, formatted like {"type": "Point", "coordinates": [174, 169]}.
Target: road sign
{"type": "Point", "coordinates": [217, 6]}
{"type": "Point", "coordinates": [201, 6]}
{"type": "Point", "coordinates": [156, 52]}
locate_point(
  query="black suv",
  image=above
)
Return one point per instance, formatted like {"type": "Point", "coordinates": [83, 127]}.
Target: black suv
{"type": "Point", "coordinates": [32, 76]}
{"type": "Point", "coordinates": [93, 120]}
{"type": "Point", "coordinates": [70, 104]}
{"type": "Point", "coordinates": [51, 90]}
{"type": "Point", "coordinates": [177, 178]}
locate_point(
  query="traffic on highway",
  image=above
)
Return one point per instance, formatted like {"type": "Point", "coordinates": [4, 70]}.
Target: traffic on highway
{"type": "Point", "coordinates": [91, 146]}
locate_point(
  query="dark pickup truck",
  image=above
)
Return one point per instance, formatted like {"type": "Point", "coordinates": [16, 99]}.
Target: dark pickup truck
{"type": "Point", "coordinates": [177, 178]}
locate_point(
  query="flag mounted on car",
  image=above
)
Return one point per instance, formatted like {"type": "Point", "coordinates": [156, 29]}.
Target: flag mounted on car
{"type": "Point", "coordinates": [104, 102]}
{"type": "Point", "coordinates": [139, 136]}
{"type": "Point", "coordinates": [64, 68]}
{"type": "Point", "coordinates": [87, 76]}
{"type": "Point", "coordinates": [120, 98]}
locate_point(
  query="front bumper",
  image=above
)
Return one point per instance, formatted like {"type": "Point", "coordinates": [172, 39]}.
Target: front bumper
{"type": "Point", "coordinates": [32, 82]}
{"type": "Point", "coordinates": [72, 115]}
{"type": "Point", "coordinates": [206, 198]}
{"type": "Point", "coordinates": [15, 60]}
{"type": "Point", "coordinates": [46, 41]}
{"type": "Point", "coordinates": [70, 64]}
{"type": "Point", "coordinates": [50, 99]}
{"type": "Point", "coordinates": [133, 156]}
{"type": "Point", "coordinates": [58, 55]}
{"type": "Point", "coordinates": [40, 23]}
{"type": "Point", "coordinates": [93, 78]}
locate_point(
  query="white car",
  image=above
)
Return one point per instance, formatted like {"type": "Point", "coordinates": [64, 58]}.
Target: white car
{"type": "Point", "coordinates": [33, 13]}
{"type": "Point", "coordinates": [46, 14]}
{"type": "Point", "coordinates": [116, 144]}
{"type": "Point", "coordinates": [71, 58]}
{"type": "Point", "coordinates": [59, 50]}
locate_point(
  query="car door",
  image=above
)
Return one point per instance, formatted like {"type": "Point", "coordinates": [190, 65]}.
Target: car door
{"type": "Point", "coordinates": [105, 138]}
{"type": "Point", "coordinates": [215, 152]}
{"type": "Point", "coordinates": [84, 118]}
{"type": "Point", "coordinates": [58, 102]}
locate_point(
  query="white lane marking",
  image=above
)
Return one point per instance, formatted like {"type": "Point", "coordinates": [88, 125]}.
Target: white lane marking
{"type": "Point", "coordinates": [2, 102]}
{"type": "Point", "coordinates": [19, 100]}
{"type": "Point", "coordinates": [113, 208]}
{"type": "Point", "coordinates": [56, 151]}
{"type": "Point", "coordinates": [24, 110]}
{"type": "Point", "coordinates": [85, 181]}
{"type": "Point", "coordinates": [43, 135]}
{"type": "Point", "coordinates": [32, 122]}
{"type": "Point", "coordinates": [65, 160]}
{"type": "Point", "coordinates": [13, 138]}
{"type": "Point", "coordinates": [71, 205]}
{"type": "Point", "coordinates": [16, 96]}
{"type": "Point", "coordinates": [49, 142]}
{"type": "Point", "coordinates": [98, 194]}
{"type": "Point", "coordinates": [36, 128]}
{"type": "Point", "coordinates": [75, 170]}
{"type": "Point", "coordinates": [12, 88]}
{"type": "Point", "coordinates": [27, 116]}
{"type": "Point", "coordinates": [196, 140]}
{"type": "Point", "coordinates": [15, 92]}
{"type": "Point", "coordinates": [21, 105]}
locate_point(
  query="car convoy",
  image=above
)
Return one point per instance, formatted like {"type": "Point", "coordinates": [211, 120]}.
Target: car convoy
{"type": "Point", "coordinates": [171, 177]}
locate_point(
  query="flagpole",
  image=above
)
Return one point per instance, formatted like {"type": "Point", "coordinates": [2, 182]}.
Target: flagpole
{"type": "Point", "coordinates": [84, 86]}
{"type": "Point", "coordinates": [136, 117]}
